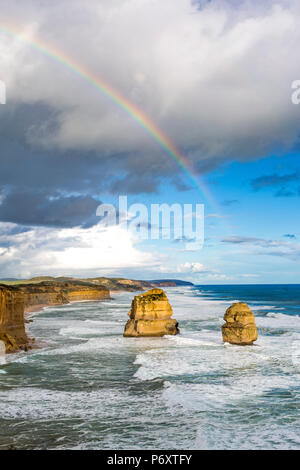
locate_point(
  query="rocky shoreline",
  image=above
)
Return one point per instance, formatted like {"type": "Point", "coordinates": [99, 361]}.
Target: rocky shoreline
{"type": "Point", "coordinates": [150, 313]}
{"type": "Point", "coordinates": [21, 298]}
{"type": "Point", "coordinates": [17, 302]}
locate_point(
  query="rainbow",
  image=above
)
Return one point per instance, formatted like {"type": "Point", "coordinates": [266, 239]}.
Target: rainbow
{"type": "Point", "coordinates": [120, 100]}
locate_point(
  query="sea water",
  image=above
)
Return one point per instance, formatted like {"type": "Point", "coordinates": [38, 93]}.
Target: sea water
{"type": "Point", "coordinates": [90, 388]}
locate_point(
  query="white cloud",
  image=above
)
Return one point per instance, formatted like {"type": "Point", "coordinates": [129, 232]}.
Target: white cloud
{"type": "Point", "coordinates": [215, 216]}
{"type": "Point", "coordinates": [262, 246]}
{"type": "Point", "coordinates": [191, 268]}
{"type": "Point", "coordinates": [67, 251]}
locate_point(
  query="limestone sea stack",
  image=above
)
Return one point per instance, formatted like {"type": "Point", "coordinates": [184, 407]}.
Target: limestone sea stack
{"type": "Point", "coordinates": [150, 315]}
{"type": "Point", "coordinates": [240, 327]}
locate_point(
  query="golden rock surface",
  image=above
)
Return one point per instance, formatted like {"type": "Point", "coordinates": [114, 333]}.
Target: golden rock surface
{"type": "Point", "coordinates": [240, 327]}
{"type": "Point", "coordinates": [15, 301]}
{"type": "Point", "coordinates": [57, 293]}
{"type": "Point", "coordinates": [12, 328]}
{"type": "Point", "coordinates": [150, 315]}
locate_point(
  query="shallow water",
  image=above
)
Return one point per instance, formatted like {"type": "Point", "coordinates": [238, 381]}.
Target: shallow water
{"type": "Point", "coordinates": [90, 388]}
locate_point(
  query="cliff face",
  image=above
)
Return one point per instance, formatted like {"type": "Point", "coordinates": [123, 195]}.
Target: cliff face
{"type": "Point", "coordinates": [240, 327]}
{"type": "Point", "coordinates": [15, 300]}
{"type": "Point", "coordinates": [150, 315]}
{"type": "Point", "coordinates": [57, 293]}
{"type": "Point", "coordinates": [12, 329]}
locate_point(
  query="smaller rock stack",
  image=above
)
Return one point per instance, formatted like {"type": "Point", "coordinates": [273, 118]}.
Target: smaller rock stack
{"type": "Point", "coordinates": [150, 315]}
{"type": "Point", "coordinates": [240, 327]}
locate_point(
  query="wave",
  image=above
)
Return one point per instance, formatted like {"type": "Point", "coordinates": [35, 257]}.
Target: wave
{"type": "Point", "coordinates": [279, 321]}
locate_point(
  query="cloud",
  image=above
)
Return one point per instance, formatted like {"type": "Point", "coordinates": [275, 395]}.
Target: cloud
{"type": "Point", "coordinates": [78, 251]}
{"type": "Point", "coordinates": [249, 275]}
{"type": "Point", "coordinates": [180, 63]}
{"type": "Point", "coordinates": [202, 273]}
{"type": "Point", "coordinates": [37, 208]}
{"type": "Point", "coordinates": [284, 193]}
{"type": "Point", "coordinates": [204, 72]}
{"type": "Point", "coordinates": [240, 240]}
{"type": "Point", "coordinates": [191, 268]}
{"type": "Point", "coordinates": [274, 180]}
{"type": "Point", "coordinates": [253, 240]}
{"type": "Point", "coordinates": [261, 246]}
{"type": "Point", "coordinates": [291, 236]}
{"type": "Point", "coordinates": [230, 202]}
{"type": "Point", "coordinates": [215, 216]}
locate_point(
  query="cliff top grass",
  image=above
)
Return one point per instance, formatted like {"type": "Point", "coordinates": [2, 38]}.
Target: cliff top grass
{"type": "Point", "coordinates": [151, 295]}
{"type": "Point", "coordinates": [115, 283]}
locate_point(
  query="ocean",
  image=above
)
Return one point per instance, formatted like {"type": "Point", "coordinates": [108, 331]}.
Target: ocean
{"type": "Point", "coordinates": [90, 388]}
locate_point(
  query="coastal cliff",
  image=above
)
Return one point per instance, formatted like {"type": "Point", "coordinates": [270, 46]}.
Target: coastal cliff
{"type": "Point", "coordinates": [119, 284]}
{"type": "Point", "coordinates": [59, 293]}
{"type": "Point", "coordinates": [12, 328]}
{"type": "Point", "coordinates": [150, 315]}
{"type": "Point", "coordinates": [15, 301]}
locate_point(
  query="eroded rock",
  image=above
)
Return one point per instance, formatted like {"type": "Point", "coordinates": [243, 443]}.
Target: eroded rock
{"type": "Point", "coordinates": [150, 315]}
{"type": "Point", "coordinates": [239, 327]}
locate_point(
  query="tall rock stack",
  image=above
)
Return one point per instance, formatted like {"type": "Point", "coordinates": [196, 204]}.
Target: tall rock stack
{"type": "Point", "coordinates": [240, 327]}
{"type": "Point", "coordinates": [150, 315]}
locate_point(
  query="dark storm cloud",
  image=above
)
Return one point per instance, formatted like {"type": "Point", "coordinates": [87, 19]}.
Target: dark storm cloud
{"type": "Point", "coordinates": [38, 168]}
{"type": "Point", "coordinates": [36, 208]}
{"type": "Point", "coordinates": [135, 184]}
{"type": "Point", "coordinates": [186, 77]}
{"type": "Point", "coordinates": [60, 135]}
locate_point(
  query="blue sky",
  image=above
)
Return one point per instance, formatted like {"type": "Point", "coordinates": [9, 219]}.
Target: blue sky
{"type": "Point", "coordinates": [252, 235]}
{"type": "Point", "coordinates": [215, 77]}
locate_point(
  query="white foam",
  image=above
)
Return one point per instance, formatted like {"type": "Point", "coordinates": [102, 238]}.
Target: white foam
{"type": "Point", "coordinates": [39, 403]}
{"type": "Point", "coordinates": [262, 434]}
{"type": "Point", "coordinates": [230, 391]}
{"type": "Point", "coordinates": [262, 307]}
{"type": "Point", "coordinates": [200, 355]}
{"type": "Point", "coordinates": [77, 331]}
{"type": "Point", "coordinates": [189, 341]}
{"type": "Point", "coordinates": [279, 320]}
